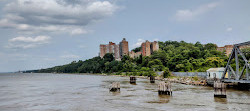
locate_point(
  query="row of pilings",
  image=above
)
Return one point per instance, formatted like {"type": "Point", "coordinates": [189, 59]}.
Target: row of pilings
{"type": "Point", "coordinates": [165, 88]}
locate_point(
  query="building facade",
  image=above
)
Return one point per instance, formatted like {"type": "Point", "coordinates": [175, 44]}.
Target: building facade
{"type": "Point", "coordinates": [133, 54]}
{"type": "Point", "coordinates": [147, 48]}
{"type": "Point", "coordinates": [103, 50]}
{"type": "Point", "coordinates": [154, 46]}
{"type": "Point", "coordinates": [124, 50]}
{"type": "Point", "coordinates": [227, 49]}
{"type": "Point", "coordinates": [118, 50]}
{"type": "Point", "coordinates": [143, 49]}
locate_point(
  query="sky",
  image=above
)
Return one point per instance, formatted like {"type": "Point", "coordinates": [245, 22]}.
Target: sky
{"type": "Point", "coordinates": [37, 34]}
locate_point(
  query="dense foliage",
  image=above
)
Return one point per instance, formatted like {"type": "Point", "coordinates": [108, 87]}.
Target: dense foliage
{"type": "Point", "coordinates": [138, 49]}
{"type": "Point", "coordinates": [172, 55]}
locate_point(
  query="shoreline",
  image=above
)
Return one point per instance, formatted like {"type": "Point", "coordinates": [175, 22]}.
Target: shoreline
{"type": "Point", "coordinates": [197, 81]}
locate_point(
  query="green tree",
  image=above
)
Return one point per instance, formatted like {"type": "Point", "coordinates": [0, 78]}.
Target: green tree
{"type": "Point", "coordinates": [108, 57]}
{"type": "Point", "coordinates": [210, 46]}
{"type": "Point", "coordinates": [156, 64]}
{"type": "Point", "coordinates": [166, 73]}
{"type": "Point", "coordinates": [138, 49]}
{"type": "Point", "coordinates": [128, 66]}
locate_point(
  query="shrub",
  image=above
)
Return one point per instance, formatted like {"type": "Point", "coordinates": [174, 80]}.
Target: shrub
{"type": "Point", "coordinates": [166, 73]}
{"type": "Point", "coordinates": [118, 73]}
{"type": "Point", "coordinates": [134, 73]}
{"type": "Point", "coordinates": [195, 78]}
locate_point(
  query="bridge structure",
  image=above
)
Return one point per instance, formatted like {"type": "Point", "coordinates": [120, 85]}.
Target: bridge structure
{"type": "Point", "coordinates": [232, 71]}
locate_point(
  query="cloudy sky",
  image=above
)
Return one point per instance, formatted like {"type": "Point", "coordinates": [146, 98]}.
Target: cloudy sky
{"type": "Point", "coordinates": [38, 34]}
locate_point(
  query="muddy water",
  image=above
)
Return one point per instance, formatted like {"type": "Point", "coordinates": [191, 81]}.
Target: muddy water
{"type": "Point", "coordinates": [66, 92]}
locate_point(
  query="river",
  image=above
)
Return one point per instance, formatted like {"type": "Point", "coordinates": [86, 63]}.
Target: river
{"type": "Point", "coordinates": [71, 92]}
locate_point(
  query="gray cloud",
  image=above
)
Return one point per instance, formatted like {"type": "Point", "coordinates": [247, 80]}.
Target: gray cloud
{"type": "Point", "coordinates": [55, 15]}
{"type": "Point", "coordinates": [27, 42]}
{"type": "Point", "coordinates": [188, 14]}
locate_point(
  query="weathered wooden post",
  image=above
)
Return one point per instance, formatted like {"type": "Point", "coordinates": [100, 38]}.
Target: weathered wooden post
{"type": "Point", "coordinates": [164, 88]}
{"type": "Point", "coordinates": [152, 79]}
{"type": "Point", "coordinates": [132, 79]}
{"type": "Point", "coordinates": [115, 87]}
{"type": "Point", "coordinates": [219, 89]}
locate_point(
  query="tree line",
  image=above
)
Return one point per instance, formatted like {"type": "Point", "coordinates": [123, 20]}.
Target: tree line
{"type": "Point", "coordinates": [172, 56]}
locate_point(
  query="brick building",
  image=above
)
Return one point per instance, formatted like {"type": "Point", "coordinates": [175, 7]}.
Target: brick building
{"type": "Point", "coordinates": [103, 50]}
{"type": "Point", "coordinates": [227, 49]}
{"type": "Point", "coordinates": [154, 46]}
{"type": "Point", "coordinates": [147, 48]}
{"type": "Point", "coordinates": [133, 54]}
{"type": "Point", "coordinates": [117, 50]}
{"type": "Point", "coordinates": [143, 49]}
{"type": "Point", "coordinates": [123, 47]}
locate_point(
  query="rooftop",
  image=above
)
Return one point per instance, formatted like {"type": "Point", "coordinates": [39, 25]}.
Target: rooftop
{"type": "Point", "coordinates": [216, 69]}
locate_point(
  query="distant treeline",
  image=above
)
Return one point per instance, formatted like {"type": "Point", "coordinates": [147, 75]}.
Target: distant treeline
{"type": "Point", "coordinates": [172, 55]}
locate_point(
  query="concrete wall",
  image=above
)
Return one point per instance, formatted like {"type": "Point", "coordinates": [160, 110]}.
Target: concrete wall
{"type": "Point", "coordinates": [190, 74]}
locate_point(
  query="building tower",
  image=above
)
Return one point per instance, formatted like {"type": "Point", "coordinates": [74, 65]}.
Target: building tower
{"type": "Point", "coordinates": [147, 46]}
{"type": "Point", "coordinates": [154, 46]}
{"type": "Point", "coordinates": [123, 46]}
{"type": "Point", "coordinates": [103, 50]}
{"type": "Point", "coordinates": [117, 52]}
{"type": "Point", "coordinates": [143, 49]}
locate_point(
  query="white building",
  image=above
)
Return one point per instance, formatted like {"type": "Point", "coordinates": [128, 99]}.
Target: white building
{"type": "Point", "coordinates": [215, 73]}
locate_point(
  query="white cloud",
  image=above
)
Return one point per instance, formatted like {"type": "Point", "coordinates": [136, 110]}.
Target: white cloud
{"type": "Point", "coordinates": [55, 15]}
{"type": "Point", "coordinates": [70, 56]}
{"type": "Point", "coordinates": [78, 31]}
{"type": "Point", "coordinates": [229, 29]}
{"type": "Point", "coordinates": [138, 43]}
{"type": "Point", "coordinates": [189, 14]}
{"type": "Point", "coordinates": [27, 42]}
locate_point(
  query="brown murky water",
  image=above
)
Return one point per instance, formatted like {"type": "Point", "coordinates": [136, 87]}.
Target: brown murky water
{"type": "Point", "coordinates": [66, 92]}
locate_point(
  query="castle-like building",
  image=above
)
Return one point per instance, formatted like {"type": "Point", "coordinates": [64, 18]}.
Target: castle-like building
{"type": "Point", "coordinates": [121, 49]}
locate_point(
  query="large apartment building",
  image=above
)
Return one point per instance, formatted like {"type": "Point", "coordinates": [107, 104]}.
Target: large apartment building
{"type": "Point", "coordinates": [118, 50]}
{"type": "Point", "coordinates": [147, 48]}
{"type": "Point", "coordinates": [123, 47]}
{"type": "Point", "coordinates": [227, 49]}
{"type": "Point", "coordinates": [109, 48]}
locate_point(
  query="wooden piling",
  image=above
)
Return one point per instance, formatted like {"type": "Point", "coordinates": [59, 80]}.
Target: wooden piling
{"type": "Point", "coordinates": [164, 88]}
{"type": "Point", "coordinates": [219, 89]}
{"type": "Point", "coordinates": [115, 87]}
{"type": "Point", "coordinates": [152, 79]}
{"type": "Point", "coordinates": [132, 79]}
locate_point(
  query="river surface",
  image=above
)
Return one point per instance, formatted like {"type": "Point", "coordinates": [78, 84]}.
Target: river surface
{"type": "Point", "coordinates": [68, 92]}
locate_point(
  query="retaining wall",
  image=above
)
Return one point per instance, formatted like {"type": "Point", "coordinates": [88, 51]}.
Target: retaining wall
{"type": "Point", "coordinates": [190, 74]}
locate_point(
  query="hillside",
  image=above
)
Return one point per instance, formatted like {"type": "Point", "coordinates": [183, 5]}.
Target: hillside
{"type": "Point", "coordinates": [173, 55]}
